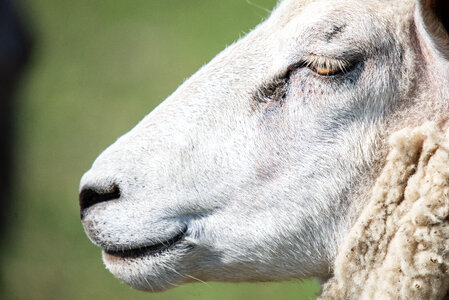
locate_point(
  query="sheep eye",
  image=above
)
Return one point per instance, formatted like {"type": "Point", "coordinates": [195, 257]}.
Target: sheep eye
{"type": "Point", "coordinates": [325, 66]}
{"type": "Point", "coordinates": [326, 71]}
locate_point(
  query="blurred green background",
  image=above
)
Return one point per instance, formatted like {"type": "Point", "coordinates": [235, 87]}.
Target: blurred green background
{"type": "Point", "coordinates": [98, 68]}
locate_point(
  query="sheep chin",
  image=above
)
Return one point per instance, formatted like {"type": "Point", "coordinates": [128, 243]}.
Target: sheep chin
{"type": "Point", "coordinates": [151, 273]}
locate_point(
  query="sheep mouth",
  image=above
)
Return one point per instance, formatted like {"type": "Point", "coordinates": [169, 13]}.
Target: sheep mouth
{"type": "Point", "coordinates": [150, 250]}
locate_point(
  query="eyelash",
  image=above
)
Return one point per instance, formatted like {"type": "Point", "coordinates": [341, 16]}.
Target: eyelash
{"type": "Point", "coordinates": [325, 66]}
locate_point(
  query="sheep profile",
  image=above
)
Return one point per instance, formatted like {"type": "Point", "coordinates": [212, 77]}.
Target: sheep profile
{"type": "Point", "coordinates": [272, 162]}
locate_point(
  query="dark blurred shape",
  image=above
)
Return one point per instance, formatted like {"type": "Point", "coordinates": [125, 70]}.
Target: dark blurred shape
{"type": "Point", "coordinates": [441, 9]}
{"type": "Point", "coordinates": [15, 48]}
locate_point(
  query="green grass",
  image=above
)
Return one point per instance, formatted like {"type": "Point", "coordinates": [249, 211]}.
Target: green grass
{"type": "Point", "coordinates": [98, 68]}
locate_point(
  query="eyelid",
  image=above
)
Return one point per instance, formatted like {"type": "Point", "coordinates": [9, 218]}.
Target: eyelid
{"type": "Point", "coordinates": [326, 66]}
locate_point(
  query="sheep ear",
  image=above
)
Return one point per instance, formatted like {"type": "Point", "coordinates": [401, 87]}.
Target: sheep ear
{"type": "Point", "coordinates": [439, 9]}
{"type": "Point", "coordinates": [432, 22]}
{"type": "Point", "coordinates": [435, 13]}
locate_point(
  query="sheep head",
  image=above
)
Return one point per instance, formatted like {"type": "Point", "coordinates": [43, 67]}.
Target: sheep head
{"type": "Point", "coordinates": [256, 167]}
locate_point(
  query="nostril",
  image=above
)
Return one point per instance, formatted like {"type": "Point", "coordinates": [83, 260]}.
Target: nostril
{"type": "Point", "coordinates": [91, 196]}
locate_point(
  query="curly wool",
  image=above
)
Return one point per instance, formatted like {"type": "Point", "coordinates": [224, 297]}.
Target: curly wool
{"type": "Point", "coordinates": [399, 246]}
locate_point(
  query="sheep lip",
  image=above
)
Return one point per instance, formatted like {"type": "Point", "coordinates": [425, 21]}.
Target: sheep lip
{"type": "Point", "coordinates": [149, 250]}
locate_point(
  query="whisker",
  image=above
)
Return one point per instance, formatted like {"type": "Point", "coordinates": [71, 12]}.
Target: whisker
{"type": "Point", "coordinates": [149, 284]}
{"type": "Point", "coordinates": [199, 280]}
{"type": "Point", "coordinates": [258, 6]}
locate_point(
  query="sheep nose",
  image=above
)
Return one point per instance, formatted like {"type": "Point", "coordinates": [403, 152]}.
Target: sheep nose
{"type": "Point", "coordinates": [90, 196]}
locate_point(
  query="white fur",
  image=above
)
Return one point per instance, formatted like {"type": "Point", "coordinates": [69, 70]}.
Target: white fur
{"type": "Point", "coordinates": [266, 189]}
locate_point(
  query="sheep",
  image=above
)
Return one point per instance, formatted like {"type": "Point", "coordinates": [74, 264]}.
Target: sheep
{"type": "Point", "coordinates": [259, 166]}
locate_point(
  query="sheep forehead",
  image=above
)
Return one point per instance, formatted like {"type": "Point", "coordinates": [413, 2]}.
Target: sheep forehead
{"type": "Point", "coordinates": [289, 9]}
{"type": "Point", "coordinates": [393, 16]}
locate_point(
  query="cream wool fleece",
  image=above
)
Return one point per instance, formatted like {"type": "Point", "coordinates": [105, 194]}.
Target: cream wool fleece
{"type": "Point", "coordinates": [399, 246]}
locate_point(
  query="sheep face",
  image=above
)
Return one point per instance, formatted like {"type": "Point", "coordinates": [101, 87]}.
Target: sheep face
{"type": "Point", "coordinates": [255, 168]}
